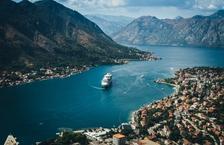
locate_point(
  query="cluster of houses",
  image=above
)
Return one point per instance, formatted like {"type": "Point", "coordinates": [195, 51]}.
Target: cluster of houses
{"type": "Point", "coordinates": [12, 78]}
{"type": "Point", "coordinates": [192, 115]}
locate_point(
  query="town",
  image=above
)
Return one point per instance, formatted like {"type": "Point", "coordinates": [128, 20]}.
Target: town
{"type": "Point", "coordinates": [193, 114]}
{"type": "Point", "coordinates": [13, 78]}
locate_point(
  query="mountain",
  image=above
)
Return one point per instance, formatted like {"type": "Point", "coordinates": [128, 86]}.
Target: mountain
{"type": "Point", "coordinates": [110, 24]}
{"type": "Point", "coordinates": [199, 31]}
{"type": "Point", "coordinates": [46, 33]}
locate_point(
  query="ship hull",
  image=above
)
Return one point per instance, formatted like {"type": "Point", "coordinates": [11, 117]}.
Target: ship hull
{"type": "Point", "coordinates": [106, 85]}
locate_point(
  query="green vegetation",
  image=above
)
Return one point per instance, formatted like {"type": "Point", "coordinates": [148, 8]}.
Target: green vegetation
{"type": "Point", "coordinates": [47, 34]}
{"type": "Point", "coordinates": [68, 138]}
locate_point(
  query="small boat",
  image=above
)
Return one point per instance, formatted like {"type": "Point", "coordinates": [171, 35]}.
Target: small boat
{"type": "Point", "coordinates": [107, 80]}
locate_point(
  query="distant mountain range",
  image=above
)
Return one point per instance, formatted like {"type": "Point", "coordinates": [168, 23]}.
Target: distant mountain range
{"type": "Point", "coordinates": [110, 24]}
{"type": "Point", "coordinates": [46, 33]}
{"type": "Point", "coordinates": [199, 31]}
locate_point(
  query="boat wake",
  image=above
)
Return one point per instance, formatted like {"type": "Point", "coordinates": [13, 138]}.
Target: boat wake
{"type": "Point", "coordinates": [120, 69]}
{"type": "Point", "coordinates": [97, 88]}
{"type": "Point", "coordinates": [139, 81]}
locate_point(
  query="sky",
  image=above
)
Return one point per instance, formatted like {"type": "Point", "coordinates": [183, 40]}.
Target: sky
{"type": "Point", "coordinates": [137, 8]}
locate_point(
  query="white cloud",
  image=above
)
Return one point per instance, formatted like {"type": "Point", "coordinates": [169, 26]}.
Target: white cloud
{"type": "Point", "coordinates": [209, 4]}
{"type": "Point", "coordinates": [117, 2]}
{"type": "Point", "coordinates": [93, 3]}
{"type": "Point", "coordinates": [136, 8]}
{"type": "Point", "coordinates": [160, 12]}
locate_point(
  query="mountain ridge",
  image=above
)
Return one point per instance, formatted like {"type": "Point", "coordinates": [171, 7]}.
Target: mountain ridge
{"type": "Point", "coordinates": [198, 31]}
{"type": "Point", "coordinates": [46, 33]}
{"type": "Point", "coordinates": [110, 24]}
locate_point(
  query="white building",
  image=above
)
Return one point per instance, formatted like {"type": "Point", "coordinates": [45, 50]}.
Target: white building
{"type": "Point", "coordinates": [11, 140]}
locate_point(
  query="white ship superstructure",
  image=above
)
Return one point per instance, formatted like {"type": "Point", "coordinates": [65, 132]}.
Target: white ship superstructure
{"type": "Point", "coordinates": [107, 80]}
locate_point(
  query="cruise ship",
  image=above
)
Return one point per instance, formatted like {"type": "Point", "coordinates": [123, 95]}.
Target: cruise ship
{"type": "Point", "coordinates": [107, 80]}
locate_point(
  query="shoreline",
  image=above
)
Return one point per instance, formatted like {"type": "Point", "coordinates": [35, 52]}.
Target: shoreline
{"type": "Point", "coordinates": [159, 81]}
{"type": "Point", "coordinates": [169, 119]}
{"type": "Point", "coordinates": [162, 81]}
{"type": "Point", "coordinates": [183, 113]}
{"type": "Point", "coordinates": [33, 76]}
{"type": "Point", "coordinates": [190, 103]}
{"type": "Point", "coordinates": [16, 78]}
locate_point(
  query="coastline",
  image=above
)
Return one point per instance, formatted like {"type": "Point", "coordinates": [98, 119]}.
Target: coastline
{"type": "Point", "coordinates": [189, 102]}
{"type": "Point", "coordinates": [33, 75]}
{"type": "Point", "coordinates": [15, 78]}
{"type": "Point", "coordinates": [185, 113]}
{"type": "Point", "coordinates": [159, 81]}
{"type": "Point", "coordinates": [162, 81]}
{"type": "Point", "coordinates": [133, 113]}
{"type": "Point", "coordinates": [176, 118]}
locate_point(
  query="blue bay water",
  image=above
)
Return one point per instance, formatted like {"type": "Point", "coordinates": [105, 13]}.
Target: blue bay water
{"type": "Point", "coordinates": [35, 111]}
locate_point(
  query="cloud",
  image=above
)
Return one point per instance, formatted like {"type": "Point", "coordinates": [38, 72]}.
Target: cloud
{"type": "Point", "coordinates": [181, 4]}
{"type": "Point", "coordinates": [159, 11]}
{"type": "Point", "coordinates": [136, 8]}
{"type": "Point", "coordinates": [172, 3]}
{"type": "Point", "coordinates": [186, 4]}
{"type": "Point", "coordinates": [128, 3]}
{"type": "Point", "coordinates": [93, 3]}
{"type": "Point", "coordinates": [117, 2]}
{"type": "Point", "coordinates": [209, 4]}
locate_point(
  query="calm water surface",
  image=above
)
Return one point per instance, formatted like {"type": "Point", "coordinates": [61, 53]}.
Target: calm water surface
{"type": "Point", "coordinates": [35, 111]}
